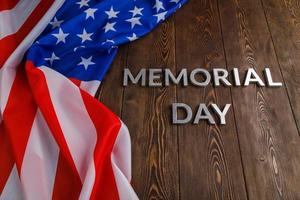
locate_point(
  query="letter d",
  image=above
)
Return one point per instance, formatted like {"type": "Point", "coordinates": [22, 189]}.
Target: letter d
{"type": "Point", "coordinates": [188, 111]}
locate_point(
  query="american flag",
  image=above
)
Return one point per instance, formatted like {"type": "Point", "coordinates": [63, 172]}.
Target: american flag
{"type": "Point", "coordinates": [56, 140]}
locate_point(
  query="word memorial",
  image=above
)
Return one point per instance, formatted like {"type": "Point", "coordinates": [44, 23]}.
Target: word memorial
{"type": "Point", "coordinates": [199, 77]}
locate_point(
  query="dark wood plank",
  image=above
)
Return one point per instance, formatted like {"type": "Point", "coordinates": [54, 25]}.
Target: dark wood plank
{"type": "Point", "coordinates": [266, 127]}
{"type": "Point", "coordinates": [284, 23]}
{"type": "Point", "coordinates": [145, 111]}
{"type": "Point", "coordinates": [210, 162]}
{"type": "Point", "coordinates": [111, 90]}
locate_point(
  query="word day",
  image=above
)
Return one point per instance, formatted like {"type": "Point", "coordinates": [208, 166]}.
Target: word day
{"type": "Point", "coordinates": [203, 113]}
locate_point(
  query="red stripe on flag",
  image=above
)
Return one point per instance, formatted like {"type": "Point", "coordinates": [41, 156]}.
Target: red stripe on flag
{"type": "Point", "coordinates": [10, 43]}
{"type": "Point", "coordinates": [8, 4]}
{"type": "Point", "coordinates": [6, 158]}
{"type": "Point", "coordinates": [41, 94]}
{"type": "Point", "coordinates": [75, 81]}
{"type": "Point", "coordinates": [66, 185]}
{"type": "Point", "coordinates": [107, 126]}
{"type": "Point", "coordinates": [18, 115]}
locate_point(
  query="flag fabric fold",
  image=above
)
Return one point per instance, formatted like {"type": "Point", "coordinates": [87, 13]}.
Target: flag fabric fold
{"type": "Point", "coordinates": [56, 140]}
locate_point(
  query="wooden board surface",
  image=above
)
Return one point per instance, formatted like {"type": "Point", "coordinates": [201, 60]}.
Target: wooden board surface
{"type": "Point", "coordinates": [256, 155]}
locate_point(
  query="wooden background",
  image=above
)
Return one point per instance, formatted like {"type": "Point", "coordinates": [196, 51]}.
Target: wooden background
{"type": "Point", "coordinates": [257, 154]}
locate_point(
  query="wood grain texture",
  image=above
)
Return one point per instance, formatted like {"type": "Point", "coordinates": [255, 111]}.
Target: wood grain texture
{"type": "Point", "coordinates": [111, 90]}
{"type": "Point", "coordinates": [145, 111]}
{"type": "Point", "coordinates": [284, 23]}
{"type": "Point", "coordinates": [266, 127]}
{"type": "Point", "coordinates": [256, 155]}
{"type": "Point", "coordinates": [210, 163]}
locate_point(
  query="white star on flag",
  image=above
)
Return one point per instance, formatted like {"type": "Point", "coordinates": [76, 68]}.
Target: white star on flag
{"type": "Point", "coordinates": [52, 58]}
{"type": "Point", "coordinates": [83, 3]}
{"type": "Point", "coordinates": [109, 27]}
{"type": "Point", "coordinates": [86, 62]}
{"type": "Point", "coordinates": [108, 41]}
{"type": "Point", "coordinates": [55, 23]}
{"type": "Point", "coordinates": [75, 49]}
{"type": "Point", "coordinates": [85, 36]}
{"type": "Point", "coordinates": [158, 5]}
{"type": "Point", "coordinates": [133, 37]}
{"type": "Point", "coordinates": [90, 13]}
{"type": "Point", "coordinates": [134, 21]}
{"type": "Point", "coordinates": [136, 11]}
{"type": "Point", "coordinates": [61, 36]}
{"type": "Point", "coordinates": [111, 13]}
{"type": "Point", "coordinates": [161, 16]}
{"type": "Point", "coordinates": [111, 48]}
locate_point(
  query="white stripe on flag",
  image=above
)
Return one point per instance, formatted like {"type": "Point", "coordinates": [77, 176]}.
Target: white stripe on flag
{"type": "Point", "coordinates": [12, 20]}
{"type": "Point", "coordinates": [90, 87]}
{"type": "Point", "coordinates": [12, 189]}
{"type": "Point", "coordinates": [40, 161]}
{"type": "Point", "coordinates": [16, 57]}
{"type": "Point", "coordinates": [7, 76]}
{"type": "Point", "coordinates": [76, 124]}
{"type": "Point", "coordinates": [121, 164]}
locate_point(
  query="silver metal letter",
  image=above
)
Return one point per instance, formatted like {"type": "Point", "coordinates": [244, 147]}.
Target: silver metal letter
{"type": "Point", "coordinates": [188, 111]}
{"type": "Point", "coordinates": [220, 113]}
{"type": "Point", "coordinates": [140, 75]}
{"type": "Point", "coordinates": [236, 77]}
{"type": "Point", "coordinates": [153, 75]}
{"type": "Point", "coordinates": [252, 76]}
{"type": "Point", "coordinates": [220, 75]}
{"type": "Point", "coordinates": [270, 81]}
{"type": "Point", "coordinates": [202, 71]}
{"type": "Point", "coordinates": [206, 115]}
{"type": "Point", "coordinates": [182, 75]}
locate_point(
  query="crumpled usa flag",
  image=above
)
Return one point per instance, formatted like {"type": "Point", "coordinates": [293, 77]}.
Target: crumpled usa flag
{"type": "Point", "coordinates": [56, 140]}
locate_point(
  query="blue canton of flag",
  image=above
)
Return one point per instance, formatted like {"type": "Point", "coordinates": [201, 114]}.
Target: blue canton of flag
{"type": "Point", "coordinates": [82, 39]}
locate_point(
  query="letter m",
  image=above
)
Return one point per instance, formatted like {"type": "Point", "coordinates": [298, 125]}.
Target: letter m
{"type": "Point", "coordinates": [140, 76]}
